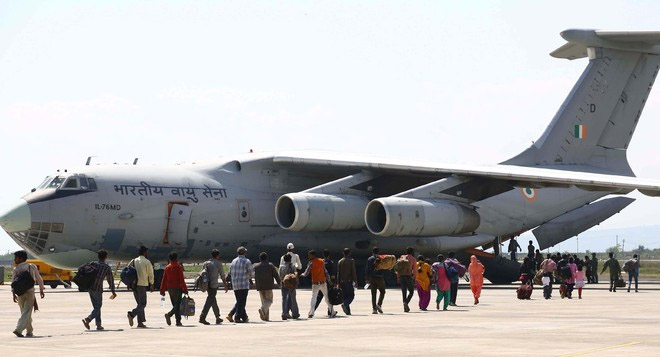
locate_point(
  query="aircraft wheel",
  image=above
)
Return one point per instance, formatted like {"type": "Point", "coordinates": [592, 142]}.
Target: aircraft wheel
{"type": "Point", "coordinates": [53, 285]}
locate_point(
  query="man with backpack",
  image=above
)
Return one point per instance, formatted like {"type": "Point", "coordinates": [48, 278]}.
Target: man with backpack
{"type": "Point", "coordinates": [145, 279]}
{"type": "Point", "coordinates": [615, 271]}
{"type": "Point", "coordinates": [407, 275]}
{"type": "Point", "coordinates": [214, 270]}
{"type": "Point", "coordinates": [103, 272]}
{"type": "Point", "coordinates": [347, 279]}
{"type": "Point", "coordinates": [264, 273]}
{"type": "Point", "coordinates": [22, 288]}
{"type": "Point", "coordinates": [289, 278]}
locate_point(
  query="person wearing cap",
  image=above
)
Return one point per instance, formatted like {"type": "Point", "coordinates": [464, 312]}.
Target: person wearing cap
{"type": "Point", "coordinates": [241, 272]}
{"type": "Point", "coordinates": [295, 259]}
{"type": "Point", "coordinates": [297, 264]}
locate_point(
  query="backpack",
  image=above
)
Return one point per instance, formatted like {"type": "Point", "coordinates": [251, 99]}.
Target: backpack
{"type": "Point", "coordinates": [23, 283]}
{"type": "Point", "coordinates": [402, 267]}
{"type": "Point", "coordinates": [85, 276]}
{"type": "Point", "coordinates": [202, 281]}
{"type": "Point", "coordinates": [187, 306]}
{"type": "Point", "coordinates": [128, 276]}
{"type": "Point", "coordinates": [629, 266]}
{"type": "Point", "coordinates": [565, 271]}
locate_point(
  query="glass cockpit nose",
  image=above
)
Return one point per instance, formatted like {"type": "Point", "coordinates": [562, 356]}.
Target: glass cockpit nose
{"type": "Point", "coordinates": [71, 182]}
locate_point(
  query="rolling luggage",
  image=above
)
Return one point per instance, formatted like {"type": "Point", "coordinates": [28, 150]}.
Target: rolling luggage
{"type": "Point", "coordinates": [524, 292]}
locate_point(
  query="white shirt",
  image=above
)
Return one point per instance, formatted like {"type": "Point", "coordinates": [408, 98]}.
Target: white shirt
{"type": "Point", "coordinates": [295, 260]}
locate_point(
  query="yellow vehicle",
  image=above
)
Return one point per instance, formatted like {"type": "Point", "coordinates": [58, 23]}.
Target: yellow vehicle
{"type": "Point", "coordinates": [53, 276]}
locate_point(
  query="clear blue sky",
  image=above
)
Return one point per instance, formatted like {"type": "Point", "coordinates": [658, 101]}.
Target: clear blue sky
{"type": "Point", "coordinates": [462, 82]}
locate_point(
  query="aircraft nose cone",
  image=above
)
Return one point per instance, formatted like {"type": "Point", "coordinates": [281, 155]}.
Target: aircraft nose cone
{"type": "Point", "coordinates": [16, 217]}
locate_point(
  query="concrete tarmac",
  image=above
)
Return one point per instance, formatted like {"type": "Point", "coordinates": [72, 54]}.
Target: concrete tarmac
{"type": "Point", "coordinates": [602, 323]}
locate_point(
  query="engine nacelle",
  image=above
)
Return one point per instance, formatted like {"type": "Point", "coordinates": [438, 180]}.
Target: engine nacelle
{"type": "Point", "coordinates": [399, 216]}
{"type": "Point", "coordinates": [314, 212]}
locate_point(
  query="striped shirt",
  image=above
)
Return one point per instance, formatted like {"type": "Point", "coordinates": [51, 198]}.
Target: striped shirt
{"type": "Point", "coordinates": [241, 272]}
{"type": "Point", "coordinates": [103, 272]}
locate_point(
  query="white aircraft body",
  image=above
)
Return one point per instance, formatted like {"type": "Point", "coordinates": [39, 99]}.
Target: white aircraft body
{"type": "Point", "coordinates": [557, 187]}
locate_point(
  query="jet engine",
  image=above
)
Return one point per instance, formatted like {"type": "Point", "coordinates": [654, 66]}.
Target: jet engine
{"type": "Point", "coordinates": [313, 212]}
{"type": "Point", "coordinates": [398, 216]}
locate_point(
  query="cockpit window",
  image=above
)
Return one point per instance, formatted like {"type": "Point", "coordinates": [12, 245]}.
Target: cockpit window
{"type": "Point", "coordinates": [92, 183]}
{"type": "Point", "coordinates": [83, 184]}
{"type": "Point", "coordinates": [44, 183]}
{"type": "Point", "coordinates": [72, 182]}
{"type": "Point", "coordinates": [56, 183]}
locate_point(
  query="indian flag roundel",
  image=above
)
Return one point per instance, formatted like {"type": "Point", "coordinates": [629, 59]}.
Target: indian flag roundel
{"type": "Point", "coordinates": [529, 194]}
{"type": "Point", "coordinates": [580, 131]}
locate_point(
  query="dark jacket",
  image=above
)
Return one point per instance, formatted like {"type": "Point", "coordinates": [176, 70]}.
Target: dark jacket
{"type": "Point", "coordinates": [264, 273]}
{"type": "Point", "coordinates": [346, 270]}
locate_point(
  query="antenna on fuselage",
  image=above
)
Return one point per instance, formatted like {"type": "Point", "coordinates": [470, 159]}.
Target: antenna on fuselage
{"type": "Point", "coordinates": [89, 160]}
{"type": "Point", "coordinates": [135, 161]}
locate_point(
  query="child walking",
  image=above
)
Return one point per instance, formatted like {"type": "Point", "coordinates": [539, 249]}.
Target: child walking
{"type": "Point", "coordinates": [579, 280]}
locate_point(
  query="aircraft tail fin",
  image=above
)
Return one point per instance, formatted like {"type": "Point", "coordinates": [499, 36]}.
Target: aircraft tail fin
{"type": "Point", "coordinates": [594, 125]}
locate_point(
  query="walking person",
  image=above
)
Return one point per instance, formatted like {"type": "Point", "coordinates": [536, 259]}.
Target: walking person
{"type": "Point", "coordinates": [376, 282]}
{"type": "Point", "coordinates": [514, 247]}
{"type": "Point", "coordinates": [320, 280]}
{"type": "Point", "coordinates": [264, 273]}
{"type": "Point", "coordinates": [289, 278]}
{"type": "Point", "coordinates": [453, 279]}
{"type": "Point", "coordinates": [594, 268]}
{"type": "Point", "coordinates": [331, 269]}
{"type": "Point", "coordinates": [588, 273]}
{"type": "Point", "coordinates": [295, 260]}
{"type": "Point", "coordinates": [570, 281]}
{"type": "Point", "coordinates": [103, 272]}
{"type": "Point", "coordinates": [175, 284]}
{"type": "Point", "coordinates": [145, 280]}
{"type": "Point", "coordinates": [214, 270]}
{"type": "Point", "coordinates": [615, 270]}
{"type": "Point", "coordinates": [633, 272]}
{"type": "Point", "coordinates": [538, 259]}
{"type": "Point", "coordinates": [423, 283]}
{"type": "Point", "coordinates": [24, 276]}
{"type": "Point", "coordinates": [407, 278]}
{"type": "Point", "coordinates": [476, 270]}
{"type": "Point", "coordinates": [443, 286]}
{"type": "Point", "coordinates": [241, 272]}
{"type": "Point", "coordinates": [548, 266]}
{"type": "Point", "coordinates": [530, 251]}
{"type": "Point", "coordinates": [579, 280]}
{"type": "Point", "coordinates": [347, 280]}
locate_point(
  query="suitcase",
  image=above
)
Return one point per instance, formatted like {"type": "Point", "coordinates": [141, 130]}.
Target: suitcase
{"type": "Point", "coordinates": [524, 292]}
{"type": "Point", "coordinates": [187, 306]}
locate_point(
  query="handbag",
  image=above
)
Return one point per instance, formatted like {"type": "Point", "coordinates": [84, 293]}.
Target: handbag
{"type": "Point", "coordinates": [187, 306]}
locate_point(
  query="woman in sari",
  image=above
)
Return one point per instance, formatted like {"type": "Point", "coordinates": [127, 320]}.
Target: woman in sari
{"type": "Point", "coordinates": [476, 270]}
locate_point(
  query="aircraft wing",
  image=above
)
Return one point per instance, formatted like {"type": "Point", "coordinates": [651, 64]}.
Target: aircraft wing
{"type": "Point", "coordinates": [520, 176]}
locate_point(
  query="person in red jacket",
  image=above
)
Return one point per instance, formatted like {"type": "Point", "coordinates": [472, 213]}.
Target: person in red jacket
{"type": "Point", "coordinates": [175, 285]}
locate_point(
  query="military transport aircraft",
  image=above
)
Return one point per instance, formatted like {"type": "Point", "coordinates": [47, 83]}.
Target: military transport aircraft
{"type": "Point", "coordinates": [315, 200]}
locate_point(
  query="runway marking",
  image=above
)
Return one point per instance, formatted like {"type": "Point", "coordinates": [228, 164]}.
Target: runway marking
{"type": "Point", "coordinates": [582, 353]}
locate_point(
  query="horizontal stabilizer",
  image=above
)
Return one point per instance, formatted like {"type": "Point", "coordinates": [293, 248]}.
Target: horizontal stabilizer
{"type": "Point", "coordinates": [580, 40]}
{"type": "Point", "coordinates": [578, 220]}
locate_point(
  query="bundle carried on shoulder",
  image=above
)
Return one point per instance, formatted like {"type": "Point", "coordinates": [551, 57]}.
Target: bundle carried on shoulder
{"type": "Point", "coordinates": [290, 281]}
{"type": "Point", "coordinates": [538, 278]}
{"type": "Point", "coordinates": [460, 268]}
{"type": "Point", "coordinates": [629, 266]}
{"type": "Point", "coordinates": [128, 275]}
{"type": "Point", "coordinates": [85, 276]}
{"type": "Point", "coordinates": [202, 281]}
{"type": "Point", "coordinates": [385, 262]}
{"type": "Point", "coordinates": [402, 266]}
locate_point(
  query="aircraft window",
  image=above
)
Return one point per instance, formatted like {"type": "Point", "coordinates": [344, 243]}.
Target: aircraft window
{"type": "Point", "coordinates": [71, 183]}
{"type": "Point", "coordinates": [56, 183]}
{"type": "Point", "coordinates": [83, 183]}
{"type": "Point", "coordinates": [92, 184]}
{"type": "Point", "coordinates": [44, 183]}
{"type": "Point", "coordinates": [58, 227]}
